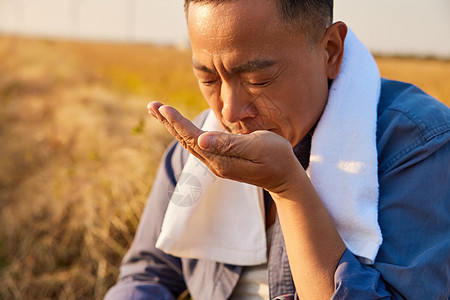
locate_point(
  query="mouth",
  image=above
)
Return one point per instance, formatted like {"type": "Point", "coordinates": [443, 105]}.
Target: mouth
{"type": "Point", "coordinates": [244, 132]}
{"type": "Point", "coordinates": [242, 128]}
{"type": "Point", "coordinates": [248, 131]}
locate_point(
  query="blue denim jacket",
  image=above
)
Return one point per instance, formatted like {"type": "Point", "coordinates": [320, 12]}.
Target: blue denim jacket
{"type": "Point", "coordinates": [413, 134]}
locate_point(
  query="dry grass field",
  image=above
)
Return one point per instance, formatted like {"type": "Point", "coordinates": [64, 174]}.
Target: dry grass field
{"type": "Point", "coordinates": [78, 154]}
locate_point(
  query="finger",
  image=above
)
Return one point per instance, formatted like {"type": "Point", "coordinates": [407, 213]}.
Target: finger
{"type": "Point", "coordinates": [154, 110]}
{"type": "Point", "coordinates": [153, 107]}
{"type": "Point", "coordinates": [187, 134]}
{"type": "Point", "coordinates": [183, 126]}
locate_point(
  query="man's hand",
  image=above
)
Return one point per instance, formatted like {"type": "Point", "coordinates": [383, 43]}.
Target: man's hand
{"type": "Point", "coordinates": [261, 158]}
{"type": "Point", "coordinates": [266, 159]}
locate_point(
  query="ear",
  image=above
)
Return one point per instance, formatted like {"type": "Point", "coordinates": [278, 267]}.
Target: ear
{"type": "Point", "coordinates": [334, 46]}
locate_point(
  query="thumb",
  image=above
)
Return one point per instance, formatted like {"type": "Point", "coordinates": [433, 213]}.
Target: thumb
{"type": "Point", "coordinates": [206, 140]}
{"type": "Point", "coordinates": [222, 143]}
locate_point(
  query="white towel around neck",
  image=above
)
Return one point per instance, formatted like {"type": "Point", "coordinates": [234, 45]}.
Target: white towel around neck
{"type": "Point", "coordinates": [223, 220]}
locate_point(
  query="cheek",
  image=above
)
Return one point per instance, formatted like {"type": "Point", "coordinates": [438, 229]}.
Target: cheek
{"type": "Point", "coordinates": [211, 96]}
{"type": "Point", "coordinates": [302, 106]}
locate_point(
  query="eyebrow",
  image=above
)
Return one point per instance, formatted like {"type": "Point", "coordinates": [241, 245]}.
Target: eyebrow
{"type": "Point", "coordinates": [250, 66]}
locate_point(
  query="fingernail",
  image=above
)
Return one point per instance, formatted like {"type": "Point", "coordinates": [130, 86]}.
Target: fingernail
{"type": "Point", "coordinates": [161, 111]}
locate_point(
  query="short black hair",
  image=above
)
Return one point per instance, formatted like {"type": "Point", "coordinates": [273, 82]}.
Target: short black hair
{"type": "Point", "coordinates": [310, 16]}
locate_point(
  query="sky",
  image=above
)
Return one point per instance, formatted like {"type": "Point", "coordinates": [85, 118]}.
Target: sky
{"type": "Point", "coordinates": [400, 27]}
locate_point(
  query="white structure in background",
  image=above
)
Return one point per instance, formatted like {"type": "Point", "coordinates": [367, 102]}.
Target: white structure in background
{"type": "Point", "coordinates": [400, 27]}
{"type": "Point", "coordinates": [155, 21]}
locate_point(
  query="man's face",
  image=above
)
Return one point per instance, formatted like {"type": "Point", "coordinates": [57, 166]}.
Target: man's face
{"type": "Point", "coordinates": [254, 72]}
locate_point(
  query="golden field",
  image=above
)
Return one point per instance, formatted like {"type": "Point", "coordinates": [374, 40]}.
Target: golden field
{"type": "Point", "coordinates": [78, 154]}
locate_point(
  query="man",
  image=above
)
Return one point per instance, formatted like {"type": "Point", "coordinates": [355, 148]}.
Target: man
{"type": "Point", "coordinates": [289, 53]}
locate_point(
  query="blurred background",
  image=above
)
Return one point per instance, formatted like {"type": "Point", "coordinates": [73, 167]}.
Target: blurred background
{"type": "Point", "coordinates": [78, 152]}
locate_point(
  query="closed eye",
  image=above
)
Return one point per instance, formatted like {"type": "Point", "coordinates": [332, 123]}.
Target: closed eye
{"type": "Point", "coordinates": [259, 83]}
{"type": "Point", "coordinates": [208, 82]}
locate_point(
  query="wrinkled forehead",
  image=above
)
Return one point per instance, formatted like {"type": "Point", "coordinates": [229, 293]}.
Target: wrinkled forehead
{"type": "Point", "coordinates": [240, 23]}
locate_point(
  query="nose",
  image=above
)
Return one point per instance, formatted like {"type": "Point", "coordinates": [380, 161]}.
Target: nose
{"type": "Point", "coordinates": [236, 102]}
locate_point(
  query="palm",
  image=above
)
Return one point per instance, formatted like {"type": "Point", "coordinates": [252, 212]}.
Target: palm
{"type": "Point", "coordinates": [261, 158]}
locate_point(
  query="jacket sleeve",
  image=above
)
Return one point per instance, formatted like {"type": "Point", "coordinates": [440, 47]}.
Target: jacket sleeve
{"type": "Point", "coordinates": [147, 272]}
{"type": "Point", "coordinates": [414, 208]}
